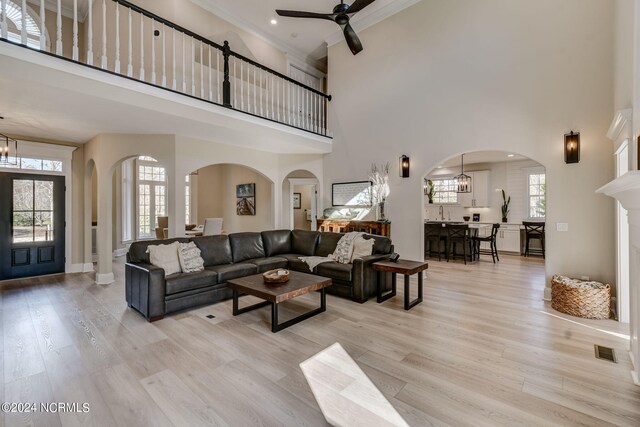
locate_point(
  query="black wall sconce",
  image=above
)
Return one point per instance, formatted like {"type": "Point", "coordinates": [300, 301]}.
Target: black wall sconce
{"type": "Point", "coordinates": [572, 147]}
{"type": "Point", "coordinates": [404, 166]}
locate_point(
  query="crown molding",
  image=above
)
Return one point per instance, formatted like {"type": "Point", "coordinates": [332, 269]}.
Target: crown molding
{"type": "Point", "coordinates": [364, 20]}
{"type": "Point", "coordinates": [67, 10]}
{"type": "Point", "coordinates": [252, 29]}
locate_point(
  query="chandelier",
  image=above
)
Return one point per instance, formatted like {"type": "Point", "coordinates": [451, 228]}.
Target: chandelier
{"type": "Point", "coordinates": [462, 181]}
{"type": "Point", "coordinates": [8, 150]}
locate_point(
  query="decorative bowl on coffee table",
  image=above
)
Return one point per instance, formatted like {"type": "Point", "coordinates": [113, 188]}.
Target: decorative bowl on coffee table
{"type": "Point", "coordinates": [279, 275]}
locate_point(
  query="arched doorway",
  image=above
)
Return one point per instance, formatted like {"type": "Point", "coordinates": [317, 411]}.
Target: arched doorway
{"type": "Point", "coordinates": [300, 200]}
{"type": "Point", "coordinates": [505, 188]}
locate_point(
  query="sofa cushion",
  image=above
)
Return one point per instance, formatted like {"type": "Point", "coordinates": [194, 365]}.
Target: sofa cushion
{"type": "Point", "coordinates": [233, 271]}
{"type": "Point", "coordinates": [327, 243]}
{"type": "Point", "coordinates": [138, 250]}
{"type": "Point", "coordinates": [215, 250]}
{"type": "Point", "coordinates": [266, 264]}
{"type": "Point", "coordinates": [181, 282]}
{"type": "Point", "coordinates": [335, 271]}
{"type": "Point", "coordinates": [165, 257]}
{"type": "Point", "coordinates": [362, 248]}
{"type": "Point", "coordinates": [246, 246]}
{"type": "Point", "coordinates": [276, 242]}
{"type": "Point", "coordinates": [382, 244]}
{"type": "Point", "coordinates": [190, 258]}
{"type": "Point", "coordinates": [294, 263]}
{"type": "Point", "coordinates": [304, 242]}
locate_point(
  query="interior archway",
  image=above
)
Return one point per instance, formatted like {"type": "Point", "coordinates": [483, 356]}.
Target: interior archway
{"type": "Point", "coordinates": [299, 200]}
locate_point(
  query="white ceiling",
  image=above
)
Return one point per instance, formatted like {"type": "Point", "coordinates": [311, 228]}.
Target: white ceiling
{"type": "Point", "coordinates": [305, 38]}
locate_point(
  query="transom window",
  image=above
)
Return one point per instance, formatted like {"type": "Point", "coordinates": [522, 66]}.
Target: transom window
{"type": "Point", "coordinates": [34, 164]}
{"type": "Point", "coordinates": [536, 195]}
{"type": "Point", "coordinates": [445, 191]}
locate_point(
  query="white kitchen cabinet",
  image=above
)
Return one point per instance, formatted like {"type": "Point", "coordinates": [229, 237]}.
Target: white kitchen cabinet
{"type": "Point", "coordinates": [479, 196]}
{"type": "Point", "coordinates": [508, 239]}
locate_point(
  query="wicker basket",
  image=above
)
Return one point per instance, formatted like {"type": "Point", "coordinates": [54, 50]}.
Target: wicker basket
{"type": "Point", "coordinates": [591, 300]}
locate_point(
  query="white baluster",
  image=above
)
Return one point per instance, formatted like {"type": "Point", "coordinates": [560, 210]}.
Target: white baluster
{"type": "Point", "coordinates": [235, 84]}
{"type": "Point", "coordinates": [255, 87]}
{"type": "Point", "coordinates": [218, 74]}
{"type": "Point", "coordinates": [117, 64]}
{"type": "Point", "coordinates": [104, 34]}
{"type": "Point", "coordinates": [307, 105]}
{"type": "Point", "coordinates": [142, 47]}
{"type": "Point", "coordinates": [210, 88]}
{"type": "Point", "coordinates": [75, 51]}
{"type": "Point", "coordinates": [153, 51]}
{"type": "Point", "coordinates": [193, 68]}
{"type": "Point", "coordinates": [3, 25]}
{"type": "Point", "coordinates": [241, 88]}
{"type": "Point", "coordinates": [174, 85]}
{"type": "Point", "coordinates": [266, 95]}
{"type": "Point", "coordinates": [184, 66]}
{"type": "Point", "coordinates": [89, 30]}
{"type": "Point", "coordinates": [201, 72]}
{"type": "Point", "coordinates": [23, 23]}
{"type": "Point", "coordinates": [164, 56]}
{"type": "Point", "coordinates": [59, 29]}
{"type": "Point", "coordinates": [278, 96]}
{"type": "Point", "coordinates": [130, 47]}
{"type": "Point", "coordinates": [43, 41]}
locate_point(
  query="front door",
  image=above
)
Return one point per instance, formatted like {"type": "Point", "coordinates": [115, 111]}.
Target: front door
{"type": "Point", "coordinates": [31, 225]}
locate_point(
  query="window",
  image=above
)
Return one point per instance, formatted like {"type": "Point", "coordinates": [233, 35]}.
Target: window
{"type": "Point", "coordinates": [536, 195]}
{"type": "Point", "coordinates": [445, 191]}
{"type": "Point", "coordinates": [14, 16]}
{"type": "Point", "coordinates": [152, 195]}
{"type": "Point", "coordinates": [32, 211]}
{"type": "Point", "coordinates": [35, 164]}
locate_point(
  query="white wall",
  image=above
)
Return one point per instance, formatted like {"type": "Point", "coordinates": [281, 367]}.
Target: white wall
{"type": "Point", "coordinates": [446, 77]}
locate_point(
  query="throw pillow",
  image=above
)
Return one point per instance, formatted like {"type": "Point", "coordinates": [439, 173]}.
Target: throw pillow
{"type": "Point", "coordinates": [362, 247]}
{"type": "Point", "coordinates": [165, 257]}
{"type": "Point", "coordinates": [190, 259]}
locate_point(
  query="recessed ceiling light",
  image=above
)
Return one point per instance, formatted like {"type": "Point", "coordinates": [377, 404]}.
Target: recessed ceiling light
{"type": "Point", "coordinates": [273, 21]}
{"type": "Point", "coordinates": [511, 155]}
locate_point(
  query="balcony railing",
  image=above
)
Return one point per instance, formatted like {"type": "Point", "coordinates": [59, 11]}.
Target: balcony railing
{"type": "Point", "coordinates": [124, 39]}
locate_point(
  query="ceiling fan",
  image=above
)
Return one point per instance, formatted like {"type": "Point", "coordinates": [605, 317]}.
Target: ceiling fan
{"type": "Point", "coordinates": [341, 15]}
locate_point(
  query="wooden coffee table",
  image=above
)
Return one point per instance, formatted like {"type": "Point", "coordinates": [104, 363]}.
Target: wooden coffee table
{"type": "Point", "coordinates": [405, 267]}
{"type": "Point", "coordinates": [298, 284]}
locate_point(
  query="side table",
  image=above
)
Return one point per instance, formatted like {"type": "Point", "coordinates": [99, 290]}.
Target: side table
{"type": "Point", "coordinates": [405, 267]}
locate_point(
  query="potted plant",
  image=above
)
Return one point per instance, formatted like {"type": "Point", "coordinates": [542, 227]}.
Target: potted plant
{"type": "Point", "coordinates": [429, 190]}
{"type": "Point", "coordinates": [505, 206]}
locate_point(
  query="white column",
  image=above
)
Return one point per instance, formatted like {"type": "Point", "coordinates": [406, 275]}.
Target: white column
{"type": "Point", "coordinates": [89, 32]}
{"type": "Point", "coordinates": [104, 274]}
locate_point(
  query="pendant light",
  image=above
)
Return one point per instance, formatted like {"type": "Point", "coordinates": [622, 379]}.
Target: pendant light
{"type": "Point", "coordinates": [8, 151]}
{"type": "Point", "coordinates": [463, 182]}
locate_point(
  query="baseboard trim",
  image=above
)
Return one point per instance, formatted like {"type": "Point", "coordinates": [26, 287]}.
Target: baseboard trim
{"type": "Point", "coordinates": [120, 252]}
{"type": "Point", "coordinates": [104, 278]}
{"type": "Point", "coordinates": [87, 267]}
{"type": "Point", "coordinates": [547, 294]}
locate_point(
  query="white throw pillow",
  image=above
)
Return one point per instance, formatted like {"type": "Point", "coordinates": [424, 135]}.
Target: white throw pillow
{"type": "Point", "coordinates": [362, 248]}
{"type": "Point", "coordinates": [190, 259]}
{"type": "Point", "coordinates": [166, 257]}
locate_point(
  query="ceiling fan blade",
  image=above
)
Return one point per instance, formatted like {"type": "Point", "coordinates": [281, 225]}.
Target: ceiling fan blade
{"type": "Point", "coordinates": [358, 5]}
{"type": "Point", "coordinates": [299, 14]}
{"type": "Point", "coordinates": [352, 39]}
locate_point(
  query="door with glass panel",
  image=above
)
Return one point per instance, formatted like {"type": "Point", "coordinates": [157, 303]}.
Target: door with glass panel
{"type": "Point", "coordinates": [31, 225]}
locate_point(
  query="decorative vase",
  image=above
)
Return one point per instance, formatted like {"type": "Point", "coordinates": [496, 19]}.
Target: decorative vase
{"type": "Point", "coordinates": [430, 201]}
{"type": "Point", "coordinates": [504, 219]}
{"type": "Point", "coordinates": [381, 216]}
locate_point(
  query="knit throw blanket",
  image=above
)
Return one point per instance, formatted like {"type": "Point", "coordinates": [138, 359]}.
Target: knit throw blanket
{"type": "Point", "coordinates": [342, 253]}
{"type": "Point", "coordinates": [344, 248]}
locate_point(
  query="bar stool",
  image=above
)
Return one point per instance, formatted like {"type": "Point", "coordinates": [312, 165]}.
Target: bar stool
{"type": "Point", "coordinates": [459, 233]}
{"type": "Point", "coordinates": [434, 235]}
{"type": "Point", "coordinates": [534, 231]}
{"type": "Point", "coordinates": [492, 243]}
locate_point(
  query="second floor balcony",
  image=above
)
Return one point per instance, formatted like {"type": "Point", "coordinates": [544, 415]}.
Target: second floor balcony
{"type": "Point", "coordinates": [117, 38]}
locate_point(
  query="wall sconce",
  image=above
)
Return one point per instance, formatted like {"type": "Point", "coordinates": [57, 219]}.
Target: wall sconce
{"type": "Point", "coordinates": [572, 147]}
{"type": "Point", "coordinates": [404, 166]}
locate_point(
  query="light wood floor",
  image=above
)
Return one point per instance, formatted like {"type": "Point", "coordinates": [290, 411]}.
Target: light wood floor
{"type": "Point", "coordinates": [483, 349]}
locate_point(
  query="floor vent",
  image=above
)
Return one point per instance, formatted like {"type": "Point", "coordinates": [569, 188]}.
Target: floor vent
{"type": "Point", "coordinates": [210, 316]}
{"type": "Point", "coordinates": [605, 353]}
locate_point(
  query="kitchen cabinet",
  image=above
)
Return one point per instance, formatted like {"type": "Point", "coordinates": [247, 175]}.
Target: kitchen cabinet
{"type": "Point", "coordinates": [508, 239]}
{"type": "Point", "coordinates": [479, 196]}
